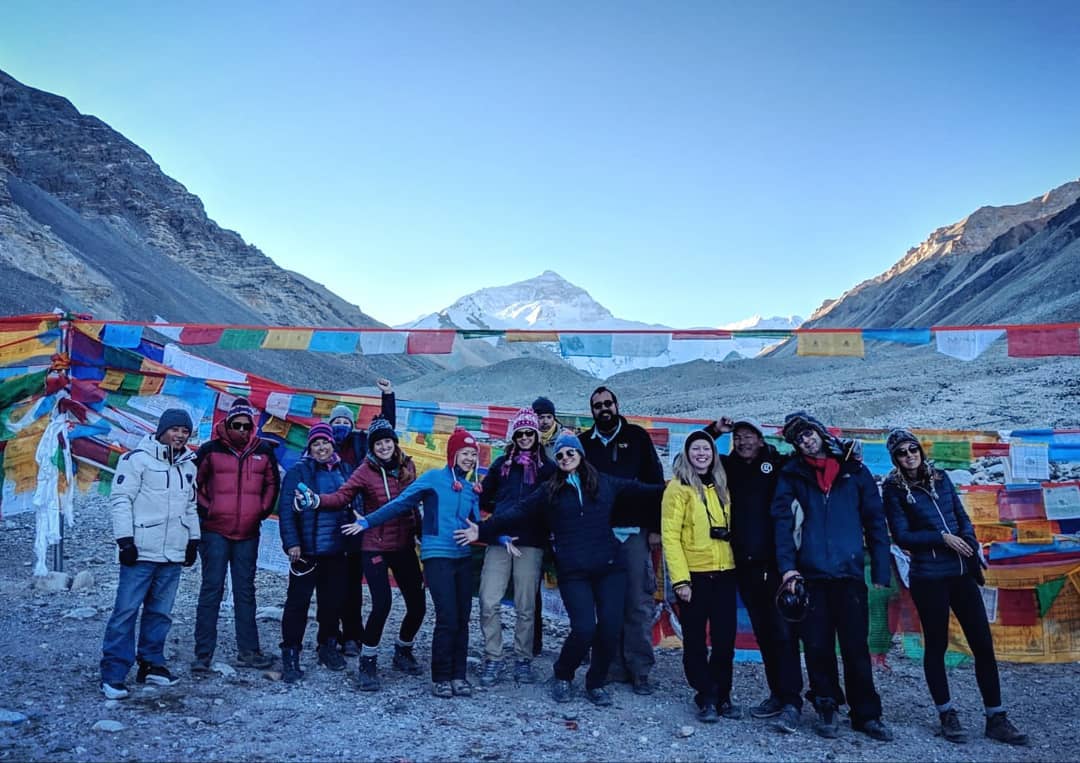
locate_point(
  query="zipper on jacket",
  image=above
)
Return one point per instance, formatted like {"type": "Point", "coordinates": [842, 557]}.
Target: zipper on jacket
{"type": "Point", "coordinates": [943, 524]}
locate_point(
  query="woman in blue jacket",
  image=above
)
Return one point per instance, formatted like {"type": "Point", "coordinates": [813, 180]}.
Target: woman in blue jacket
{"type": "Point", "coordinates": [928, 521]}
{"type": "Point", "coordinates": [312, 539]}
{"type": "Point", "coordinates": [577, 504]}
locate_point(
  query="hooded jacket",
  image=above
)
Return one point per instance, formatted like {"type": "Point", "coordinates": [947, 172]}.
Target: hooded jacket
{"type": "Point", "coordinates": [685, 526]}
{"type": "Point", "coordinates": [153, 501]}
{"type": "Point", "coordinates": [372, 485]}
{"type": "Point", "coordinates": [237, 487]}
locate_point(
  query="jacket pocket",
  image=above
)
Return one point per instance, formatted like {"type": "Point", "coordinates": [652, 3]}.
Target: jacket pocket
{"type": "Point", "coordinates": [150, 535]}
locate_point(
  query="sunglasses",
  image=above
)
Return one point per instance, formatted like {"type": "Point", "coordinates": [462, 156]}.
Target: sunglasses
{"type": "Point", "coordinates": [524, 433]}
{"type": "Point", "coordinates": [565, 455]}
{"type": "Point", "coordinates": [240, 426]}
{"type": "Point", "coordinates": [911, 450]}
{"type": "Point", "coordinates": [604, 404]}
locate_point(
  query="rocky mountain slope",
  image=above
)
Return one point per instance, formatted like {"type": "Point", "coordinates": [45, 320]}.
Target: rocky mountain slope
{"type": "Point", "coordinates": [89, 222]}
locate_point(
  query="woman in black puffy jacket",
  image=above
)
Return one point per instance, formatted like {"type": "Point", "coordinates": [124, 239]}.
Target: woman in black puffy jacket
{"type": "Point", "coordinates": [928, 521]}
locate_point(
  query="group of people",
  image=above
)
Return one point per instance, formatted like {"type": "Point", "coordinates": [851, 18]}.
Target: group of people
{"type": "Point", "coordinates": [789, 534]}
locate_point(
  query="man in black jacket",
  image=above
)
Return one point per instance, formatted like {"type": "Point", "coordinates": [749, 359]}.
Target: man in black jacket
{"type": "Point", "coordinates": [840, 504]}
{"type": "Point", "coordinates": [752, 470]}
{"type": "Point", "coordinates": [615, 446]}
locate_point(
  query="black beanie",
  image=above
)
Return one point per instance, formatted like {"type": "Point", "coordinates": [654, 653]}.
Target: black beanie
{"type": "Point", "coordinates": [543, 405]}
{"type": "Point", "coordinates": [173, 417]}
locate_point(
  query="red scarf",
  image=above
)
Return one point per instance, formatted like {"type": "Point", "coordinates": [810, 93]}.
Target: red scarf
{"type": "Point", "coordinates": [825, 469]}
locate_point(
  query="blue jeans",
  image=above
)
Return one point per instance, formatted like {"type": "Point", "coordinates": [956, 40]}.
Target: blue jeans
{"type": "Point", "coordinates": [219, 555]}
{"type": "Point", "coordinates": [151, 586]}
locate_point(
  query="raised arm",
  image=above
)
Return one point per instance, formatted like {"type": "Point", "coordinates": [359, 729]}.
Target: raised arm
{"type": "Point", "coordinates": [637, 504]}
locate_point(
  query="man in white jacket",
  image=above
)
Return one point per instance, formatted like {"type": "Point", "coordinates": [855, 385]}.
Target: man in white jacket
{"type": "Point", "coordinates": [157, 529]}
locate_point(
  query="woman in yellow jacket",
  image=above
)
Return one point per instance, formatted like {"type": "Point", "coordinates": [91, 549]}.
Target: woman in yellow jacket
{"type": "Point", "coordinates": [696, 530]}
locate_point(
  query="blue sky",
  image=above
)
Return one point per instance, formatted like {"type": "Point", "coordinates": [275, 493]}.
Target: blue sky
{"type": "Point", "coordinates": [688, 163]}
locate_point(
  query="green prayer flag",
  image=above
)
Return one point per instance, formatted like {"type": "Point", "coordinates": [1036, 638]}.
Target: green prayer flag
{"type": "Point", "coordinates": [951, 455]}
{"type": "Point", "coordinates": [242, 339]}
{"type": "Point", "coordinates": [21, 387]}
{"type": "Point", "coordinates": [1047, 593]}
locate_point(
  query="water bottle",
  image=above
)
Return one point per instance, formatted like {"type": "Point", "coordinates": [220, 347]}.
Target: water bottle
{"type": "Point", "coordinates": [305, 491]}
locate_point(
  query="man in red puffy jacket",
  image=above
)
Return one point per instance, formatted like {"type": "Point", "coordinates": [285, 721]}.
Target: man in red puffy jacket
{"type": "Point", "coordinates": [238, 483]}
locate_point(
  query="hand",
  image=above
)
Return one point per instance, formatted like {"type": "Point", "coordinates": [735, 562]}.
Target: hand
{"type": "Point", "coordinates": [957, 544]}
{"type": "Point", "coordinates": [684, 592]}
{"type": "Point", "coordinates": [508, 543]}
{"type": "Point", "coordinates": [191, 553]}
{"type": "Point", "coordinates": [384, 386]}
{"type": "Point", "coordinates": [305, 500]}
{"type": "Point", "coordinates": [725, 424]}
{"type": "Point", "coordinates": [129, 554]}
{"type": "Point", "coordinates": [357, 527]}
{"type": "Point", "coordinates": [470, 534]}
{"type": "Point", "coordinates": [655, 541]}
{"type": "Point", "coordinates": [294, 553]}
{"type": "Point", "coordinates": [789, 578]}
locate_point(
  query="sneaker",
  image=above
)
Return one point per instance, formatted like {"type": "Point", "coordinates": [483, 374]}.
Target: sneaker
{"type": "Point", "coordinates": [256, 660]}
{"type": "Point", "coordinates": [874, 729]}
{"type": "Point", "coordinates": [442, 689]}
{"type": "Point", "coordinates": [369, 679]}
{"type": "Point", "coordinates": [707, 714]}
{"type": "Point", "coordinates": [115, 690]}
{"type": "Point", "coordinates": [826, 725]}
{"type": "Point", "coordinates": [329, 655]}
{"type": "Point", "coordinates": [523, 672]}
{"type": "Point", "coordinates": [404, 660]}
{"type": "Point", "coordinates": [770, 708]}
{"type": "Point", "coordinates": [1001, 729]}
{"type": "Point", "coordinates": [350, 649]}
{"type": "Point", "coordinates": [598, 697]}
{"type": "Point", "coordinates": [727, 710]}
{"type": "Point", "coordinates": [200, 665]}
{"type": "Point", "coordinates": [489, 672]}
{"type": "Point", "coordinates": [461, 688]}
{"type": "Point", "coordinates": [155, 674]}
{"type": "Point", "coordinates": [561, 691]}
{"type": "Point", "coordinates": [951, 728]}
{"type": "Point", "coordinates": [788, 720]}
{"type": "Point", "coordinates": [642, 686]}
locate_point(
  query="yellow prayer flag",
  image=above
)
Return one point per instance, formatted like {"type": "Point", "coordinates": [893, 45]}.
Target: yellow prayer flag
{"type": "Point", "coordinates": [982, 506]}
{"type": "Point", "coordinates": [86, 476]}
{"type": "Point", "coordinates": [113, 379]}
{"type": "Point", "coordinates": [274, 425]}
{"type": "Point", "coordinates": [444, 424]}
{"type": "Point", "coordinates": [287, 339]}
{"type": "Point", "coordinates": [991, 533]}
{"type": "Point", "coordinates": [322, 406]}
{"type": "Point", "coordinates": [151, 385]}
{"type": "Point", "coordinates": [22, 345]}
{"type": "Point", "coordinates": [531, 336]}
{"type": "Point", "coordinates": [846, 343]}
{"type": "Point", "coordinates": [1040, 531]}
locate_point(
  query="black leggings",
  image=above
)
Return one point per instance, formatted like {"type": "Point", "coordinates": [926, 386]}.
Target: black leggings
{"type": "Point", "coordinates": [410, 581]}
{"type": "Point", "coordinates": [933, 599]}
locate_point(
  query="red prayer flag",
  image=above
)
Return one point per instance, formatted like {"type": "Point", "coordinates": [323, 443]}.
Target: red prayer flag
{"type": "Point", "coordinates": [659, 437]}
{"type": "Point", "coordinates": [1018, 505]}
{"type": "Point", "coordinates": [1042, 342]}
{"type": "Point", "coordinates": [198, 335]}
{"type": "Point", "coordinates": [496, 427]}
{"type": "Point", "coordinates": [1017, 606]}
{"type": "Point", "coordinates": [430, 343]}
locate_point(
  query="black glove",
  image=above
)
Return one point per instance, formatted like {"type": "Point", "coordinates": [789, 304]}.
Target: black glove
{"type": "Point", "coordinates": [128, 553]}
{"type": "Point", "coordinates": [191, 553]}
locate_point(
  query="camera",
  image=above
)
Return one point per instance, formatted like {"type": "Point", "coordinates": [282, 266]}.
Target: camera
{"type": "Point", "coordinates": [720, 533]}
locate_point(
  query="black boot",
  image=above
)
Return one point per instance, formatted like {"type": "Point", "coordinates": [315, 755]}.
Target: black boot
{"type": "Point", "coordinates": [290, 665]}
{"type": "Point", "coordinates": [404, 660]}
{"type": "Point", "coordinates": [369, 681]}
{"type": "Point", "coordinates": [330, 656]}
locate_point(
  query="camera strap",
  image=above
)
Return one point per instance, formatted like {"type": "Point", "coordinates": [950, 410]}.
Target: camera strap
{"type": "Point", "coordinates": [723, 509]}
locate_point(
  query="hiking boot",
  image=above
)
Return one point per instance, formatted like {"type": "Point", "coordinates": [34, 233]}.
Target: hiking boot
{"type": "Point", "coordinates": [200, 665]}
{"type": "Point", "coordinates": [707, 713]}
{"type": "Point", "coordinates": [329, 655]}
{"type": "Point", "coordinates": [369, 681]}
{"type": "Point", "coordinates": [350, 649]}
{"type": "Point", "coordinates": [405, 662]}
{"type": "Point", "coordinates": [561, 691]}
{"type": "Point", "coordinates": [598, 697]}
{"type": "Point", "coordinates": [769, 708]}
{"type": "Point", "coordinates": [461, 688]}
{"type": "Point", "coordinates": [255, 659]}
{"type": "Point", "coordinates": [951, 728]}
{"type": "Point", "coordinates": [114, 690]}
{"type": "Point", "coordinates": [642, 686]}
{"type": "Point", "coordinates": [826, 725]}
{"type": "Point", "coordinates": [442, 689]}
{"type": "Point", "coordinates": [874, 729]}
{"type": "Point", "coordinates": [788, 720]}
{"type": "Point", "coordinates": [730, 711]}
{"type": "Point", "coordinates": [489, 672]}
{"type": "Point", "coordinates": [290, 665]}
{"type": "Point", "coordinates": [158, 675]}
{"type": "Point", "coordinates": [523, 672]}
{"type": "Point", "coordinates": [1001, 729]}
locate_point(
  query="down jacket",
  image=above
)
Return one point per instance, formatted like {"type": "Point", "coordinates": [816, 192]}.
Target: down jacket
{"type": "Point", "coordinates": [316, 531]}
{"type": "Point", "coordinates": [684, 529]}
{"type": "Point", "coordinates": [631, 455]}
{"type": "Point", "coordinates": [501, 493]}
{"type": "Point", "coordinates": [370, 487]}
{"type": "Point", "coordinates": [237, 488]}
{"type": "Point", "coordinates": [153, 501]}
{"type": "Point", "coordinates": [917, 527]}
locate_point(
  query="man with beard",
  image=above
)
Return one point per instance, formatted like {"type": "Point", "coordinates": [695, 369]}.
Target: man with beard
{"type": "Point", "coordinates": [616, 447]}
{"type": "Point", "coordinates": [841, 505]}
{"type": "Point", "coordinates": [238, 484]}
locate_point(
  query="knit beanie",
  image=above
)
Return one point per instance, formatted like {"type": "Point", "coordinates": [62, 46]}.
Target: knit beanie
{"type": "Point", "coordinates": [458, 440]}
{"type": "Point", "coordinates": [173, 417]}
{"type": "Point", "coordinates": [241, 407]}
{"type": "Point", "coordinates": [543, 405]}
{"type": "Point", "coordinates": [696, 435]}
{"type": "Point", "coordinates": [343, 411]}
{"type": "Point", "coordinates": [525, 418]}
{"type": "Point", "coordinates": [568, 440]}
{"type": "Point", "coordinates": [898, 437]}
{"type": "Point", "coordinates": [320, 430]}
{"type": "Point", "coordinates": [798, 422]}
{"type": "Point", "coordinates": [380, 429]}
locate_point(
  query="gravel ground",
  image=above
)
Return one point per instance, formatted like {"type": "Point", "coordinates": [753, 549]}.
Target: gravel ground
{"type": "Point", "coordinates": [51, 677]}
